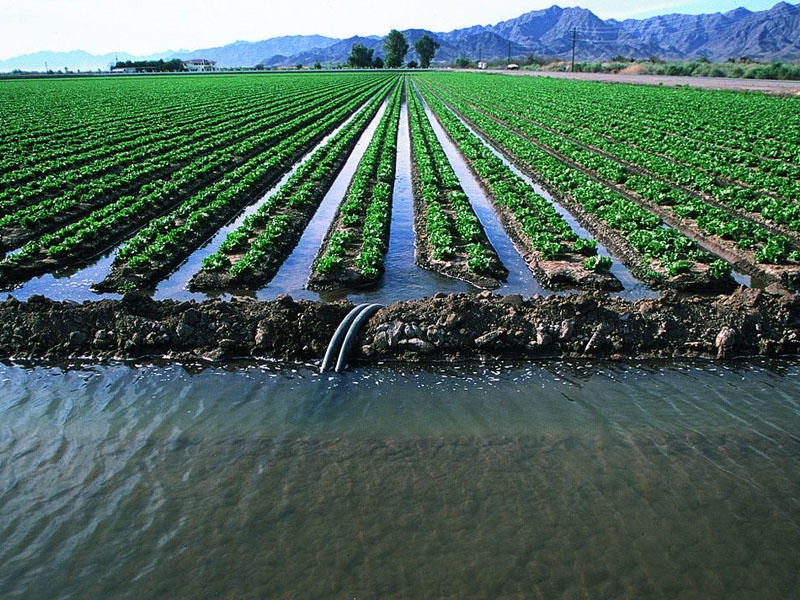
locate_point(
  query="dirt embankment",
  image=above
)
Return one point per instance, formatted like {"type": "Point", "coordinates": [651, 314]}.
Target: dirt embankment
{"type": "Point", "coordinates": [463, 326]}
{"type": "Point", "coordinates": [768, 86]}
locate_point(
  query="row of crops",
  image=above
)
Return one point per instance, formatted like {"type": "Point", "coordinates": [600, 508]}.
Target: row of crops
{"type": "Point", "coordinates": [673, 178]}
{"type": "Point", "coordinates": [680, 185]}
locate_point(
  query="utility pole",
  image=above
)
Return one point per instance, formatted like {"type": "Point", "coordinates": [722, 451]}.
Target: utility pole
{"type": "Point", "coordinates": [574, 39]}
{"type": "Point", "coordinates": [509, 54]}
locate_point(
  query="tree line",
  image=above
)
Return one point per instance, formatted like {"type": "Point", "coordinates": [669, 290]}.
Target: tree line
{"type": "Point", "coordinates": [152, 66]}
{"type": "Point", "coordinates": [395, 47]}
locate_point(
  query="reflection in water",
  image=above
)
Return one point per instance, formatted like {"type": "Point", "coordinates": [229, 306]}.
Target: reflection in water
{"type": "Point", "coordinates": [559, 480]}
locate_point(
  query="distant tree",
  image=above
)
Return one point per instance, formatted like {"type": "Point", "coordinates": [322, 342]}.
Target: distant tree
{"type": "Point", "coordinates": [463, 62]}
{"type": "Point", "coordinates": [395, 47]}
{"type": "Point", "coordinates": [298, 66]}
{"type": "Point", "coordinates": [360, 57]}
{"type": "Point", "coordinates": [412, 64]}
{"type": "Point", "coordinates": [378, 62]}
{"type": "Point", "coordinates": [152, 66]}
{"type": "Point", "coordinates": [317, 65]}
{"type": "Point", "coordinates": [426, 48]}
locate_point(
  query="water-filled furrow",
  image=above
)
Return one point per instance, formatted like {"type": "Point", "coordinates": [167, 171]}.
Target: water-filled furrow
{"type": "Point", "coordinates": [402, 278]}
{"type": "Point", "coordinates": [69, 284]}
{"type": "Point", "coordinates": [520, 279]}
{"type": "Point", "coordinates": [633, 288]}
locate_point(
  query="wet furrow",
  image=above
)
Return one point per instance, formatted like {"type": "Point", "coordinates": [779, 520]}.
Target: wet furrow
{"type": "Point", "coordinates": [520, 278]}
{"type": "Point", "coordinates": [402, 278]}
{"type": "Point", "coordinates": [293, 274]}
{"type": "Point", "coordinates": [633, 287]}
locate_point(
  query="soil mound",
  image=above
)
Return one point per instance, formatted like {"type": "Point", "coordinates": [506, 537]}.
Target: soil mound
{"type": "Point", "coordinates": [443, 327]}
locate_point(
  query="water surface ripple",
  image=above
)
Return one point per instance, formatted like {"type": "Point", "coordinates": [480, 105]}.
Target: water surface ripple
{"type": "Point", "coordinates": [561, 480]}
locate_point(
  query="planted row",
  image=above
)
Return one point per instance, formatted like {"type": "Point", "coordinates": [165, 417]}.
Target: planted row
{"type": "Point", "coordinates": [530, 219]}
{"type": "Point", "coordinates": [663, 252]}
{"type": "Point", "coordinates": [454, 242]}
{"type": "Point", "coordinates": [251, 255]}
{"type": "Point", "coordinates": [355, 246]}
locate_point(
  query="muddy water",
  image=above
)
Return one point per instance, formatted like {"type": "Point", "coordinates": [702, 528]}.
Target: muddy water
{"type": "Point", "coordinates": [580, 480]}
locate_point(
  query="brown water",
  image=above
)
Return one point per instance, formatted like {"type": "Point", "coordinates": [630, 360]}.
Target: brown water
{"type": "Point", "coordinates": [556, 480]}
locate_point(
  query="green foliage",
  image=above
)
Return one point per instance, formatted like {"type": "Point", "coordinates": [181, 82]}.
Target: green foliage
{"type": "Point", "coordinates": [216, 263]}
{"type": "Point", "coordinates": [451, 224]}
{"type": "Point", "coordinates": [362, 238]}
{"type": "Point", "coordinates": [152, 66]}
{"type": "Point", "coordinates": [395, 47]}
{"type": "Point", "coordinates": [278, 223]}
{"type": "Point", "coordinates": [360, 57]}
{"type": "Point", "coordinates": [426, 49]}
{"type": "Point", "coordinates": [545, 228]}
{"type": "Point", "coordinates": [598, 264]}
{"type": "Point", "coordinates": [585, 247]}
{"type": "Point", "coordinates": [719, 269]}
{"type": "Point", "coordinates": [701, 162]}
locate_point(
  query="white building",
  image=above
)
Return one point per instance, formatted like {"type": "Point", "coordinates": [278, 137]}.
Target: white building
{"type": "Point", "coordinates": [200, 64]}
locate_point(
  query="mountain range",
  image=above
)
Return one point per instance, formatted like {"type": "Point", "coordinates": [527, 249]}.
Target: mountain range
{"type": "Point", "coordinates": [770, 35]}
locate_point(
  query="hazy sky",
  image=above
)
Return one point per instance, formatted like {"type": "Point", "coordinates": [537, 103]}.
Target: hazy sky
{"type": "Point", "coordinates": [149, 26]}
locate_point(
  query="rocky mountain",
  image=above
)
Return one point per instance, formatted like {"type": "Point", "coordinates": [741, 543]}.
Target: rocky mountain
{"type": "Point", "coordinates": [77, 60]}
{"type": "Point", "coordinates": [329, 55]}
{"type": "Point", "coordinates": [770, 35]}
{"type": "Point", "coordinates": [766, 35]}
{"type": "Point", "coordinates": [250, 54]}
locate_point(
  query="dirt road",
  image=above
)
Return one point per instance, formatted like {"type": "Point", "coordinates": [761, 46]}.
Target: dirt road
{"type": "Point", "coordinates": [770, 86]}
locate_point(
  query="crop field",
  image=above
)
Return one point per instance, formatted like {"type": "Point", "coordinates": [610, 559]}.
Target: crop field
{"type": "Point", "coordinates": [686, 188]}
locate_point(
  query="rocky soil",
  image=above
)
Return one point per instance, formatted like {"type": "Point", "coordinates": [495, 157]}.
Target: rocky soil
{"type": "Point", "coordinates": [444, 327]}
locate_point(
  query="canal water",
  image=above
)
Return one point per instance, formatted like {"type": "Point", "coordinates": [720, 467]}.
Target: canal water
{"type": "Point", "coordinates": [550, 480]}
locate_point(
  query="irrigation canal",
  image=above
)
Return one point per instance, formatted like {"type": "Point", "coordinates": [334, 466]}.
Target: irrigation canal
{"type": "Point", "coordinates": [557, 480]}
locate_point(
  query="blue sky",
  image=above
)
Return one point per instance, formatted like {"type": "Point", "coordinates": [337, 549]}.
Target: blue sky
{"type": "Point", "coordinates": [149, 26]}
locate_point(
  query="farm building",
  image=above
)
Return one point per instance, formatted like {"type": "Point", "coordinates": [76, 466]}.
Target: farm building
{"type": "Point", "coordinates": [200, 64]}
